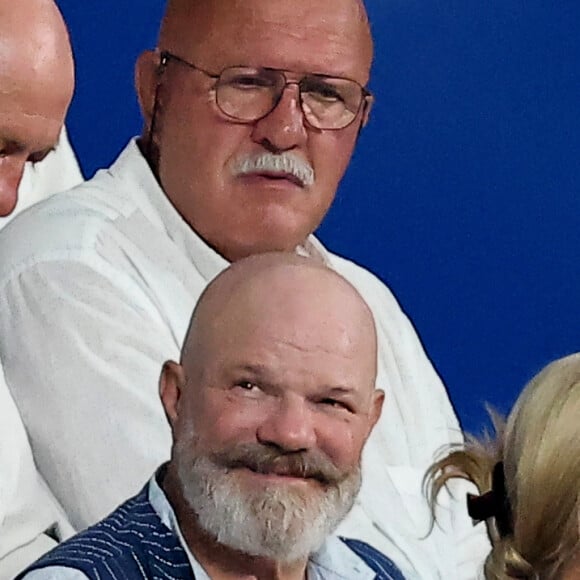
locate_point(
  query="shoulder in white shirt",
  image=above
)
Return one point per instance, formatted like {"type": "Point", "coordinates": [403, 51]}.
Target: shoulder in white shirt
{"type": "Point", "coordinates": [108, 275]}
{"type": "Point", "coordinates": [31, 520]}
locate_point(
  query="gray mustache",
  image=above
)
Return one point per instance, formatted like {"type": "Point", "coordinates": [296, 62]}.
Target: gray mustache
{"type": "Point", "coordinates": [283, 162]}
{"type": "Point", "coordinates": [261, 459]}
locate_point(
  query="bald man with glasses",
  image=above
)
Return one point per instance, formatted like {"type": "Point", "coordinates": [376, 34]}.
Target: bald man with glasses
{"type": "Point", "coordinates": [252, 112]}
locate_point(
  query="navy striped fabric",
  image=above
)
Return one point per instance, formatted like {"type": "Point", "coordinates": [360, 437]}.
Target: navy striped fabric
{"type": "Point", "coordinates": [133, 544]}
{"type": "Point", "coordinates": [384, 568]}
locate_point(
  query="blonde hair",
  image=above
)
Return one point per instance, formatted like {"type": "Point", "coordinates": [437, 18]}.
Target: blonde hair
{"type": "Point", "coordinates": [540, 450]}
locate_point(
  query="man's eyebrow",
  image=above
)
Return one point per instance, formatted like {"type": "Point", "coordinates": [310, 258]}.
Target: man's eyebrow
{"type": "Point", "coordinates": [12, 145]}
{"type": "Point", "coordinates": [253, 369]}
{"type": "Point", "coordinates": [342, 390]}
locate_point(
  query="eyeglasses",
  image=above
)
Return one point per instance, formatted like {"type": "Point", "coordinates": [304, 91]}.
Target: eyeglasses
{"type": "Point", "coordinates": [248, 94]}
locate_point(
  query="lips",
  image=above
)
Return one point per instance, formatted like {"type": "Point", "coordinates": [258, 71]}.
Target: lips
{"type": "Point", "coordinates": [278, 176]}
{"type": "Point", "coordinates": [282, 471]}
{"type": "Point", "coordinates": [275, 469]}
{"type": "Point", "coordinates": [282, 475]}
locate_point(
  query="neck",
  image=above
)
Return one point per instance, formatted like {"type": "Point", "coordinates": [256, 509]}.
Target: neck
{"type": "Point", "coordinates": [221, 562]}
{"type": "Point", "coordinates": [150, 152]}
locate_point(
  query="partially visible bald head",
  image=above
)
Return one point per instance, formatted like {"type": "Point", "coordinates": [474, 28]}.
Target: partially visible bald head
{"type": "Point", "coordinates": [286, 298]}
{"type": "Point", "coordinates": [187, 24]}
{"type": "Point", "coordinates": [34, 40]}
{"type": "Point", "coordinates": [36, 86]}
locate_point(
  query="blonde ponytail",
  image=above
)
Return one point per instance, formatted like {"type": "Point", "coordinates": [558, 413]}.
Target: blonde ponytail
{"type": "Point", "coordinates": [539, 453]}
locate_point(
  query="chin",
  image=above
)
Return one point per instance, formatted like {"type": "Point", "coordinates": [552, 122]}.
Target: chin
{"type": "Point", "coordinates": [262, 240]}
{"type": "Point", "coordinates": [275, 231]}
{"type": "Point", "coordinates": [264, 247]}
{"type": "Point", "coordinates": [282, 231]}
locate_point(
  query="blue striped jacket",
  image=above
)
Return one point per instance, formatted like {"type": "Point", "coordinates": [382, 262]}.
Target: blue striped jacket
{"type": "Point", "coordinates": [134, 544]}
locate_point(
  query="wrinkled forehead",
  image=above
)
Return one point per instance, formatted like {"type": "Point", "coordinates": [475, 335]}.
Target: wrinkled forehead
{"type": "Point", "coordinates": [326, 36]}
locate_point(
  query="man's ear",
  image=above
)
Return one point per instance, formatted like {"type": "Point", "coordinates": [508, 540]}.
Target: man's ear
{"type": "Point", "coordinates": [376, 408]}
{"type": "Point", "coordinates": [369, 102]}
{"type": "Point", "coordinates": [146, 81]}
{"type": "Point", "coordinates": [171, 384]}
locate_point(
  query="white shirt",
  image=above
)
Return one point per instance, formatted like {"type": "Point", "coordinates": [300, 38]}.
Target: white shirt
{"type": "Point", "coordinates": [334, 561]}
{"type": "Point", "coordinates": [100, 283]}
{"type": "Point", "coordinates": [27, 507]}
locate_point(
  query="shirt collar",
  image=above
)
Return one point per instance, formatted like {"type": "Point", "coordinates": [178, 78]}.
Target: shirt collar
{"type": "Point", "coordinates": [334, 561]}
{"type": "Point", "coordinates": [132, 169]}
{"type": "Point", "coordinates": [163, 509]}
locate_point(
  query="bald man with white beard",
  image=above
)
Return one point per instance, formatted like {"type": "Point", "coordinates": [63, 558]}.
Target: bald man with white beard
{"type": "Point", "coordinates": [270, 406]}
{"type": "Point", "coordinates": [36, 87]}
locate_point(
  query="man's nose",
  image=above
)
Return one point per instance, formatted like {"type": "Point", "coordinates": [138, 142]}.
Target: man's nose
{"type": "Point", "coordinates": [283, 128]}
{"type": "Point", "coordinates": [11, 170]}
{"type": "Point", "coordinates": [290, 427]}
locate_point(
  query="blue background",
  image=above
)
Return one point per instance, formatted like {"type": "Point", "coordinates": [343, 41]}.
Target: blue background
{"type": "Point", "coordinates": [463, 193]}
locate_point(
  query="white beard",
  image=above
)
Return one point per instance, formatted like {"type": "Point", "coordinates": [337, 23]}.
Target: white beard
{"type": "Point", "coordinates": [277, 522]}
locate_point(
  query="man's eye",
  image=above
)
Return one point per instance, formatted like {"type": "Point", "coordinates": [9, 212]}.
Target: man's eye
{"type": "Point", "coordinates": [41, 156]}
{"type": "Point", "coordinates": [7, 151]}
{"type": "Point", "coordinates": [250, 82]}
{"type": "Point", "coordinates": [246, 385]}
{"type": "Point", "coordinates": [36, 159]}
{"type": "Point", "coordinates": [323, 92]}
{"type": "Point", "coordinates": [336, 404]}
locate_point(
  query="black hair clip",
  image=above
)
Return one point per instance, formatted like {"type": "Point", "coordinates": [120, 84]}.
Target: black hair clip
{"type": "Point", "coordinates": [493, 504]}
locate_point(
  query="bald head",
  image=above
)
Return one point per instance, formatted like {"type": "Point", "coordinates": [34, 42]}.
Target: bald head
{"type": "Point", "coordinates": [34, 41]}
{"type": "Point", "coordinates": [36, 87]}
{"type": "Point", "coordinates": [297, 299]}
{"type": "Point", "coordinates": [187, 24]}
